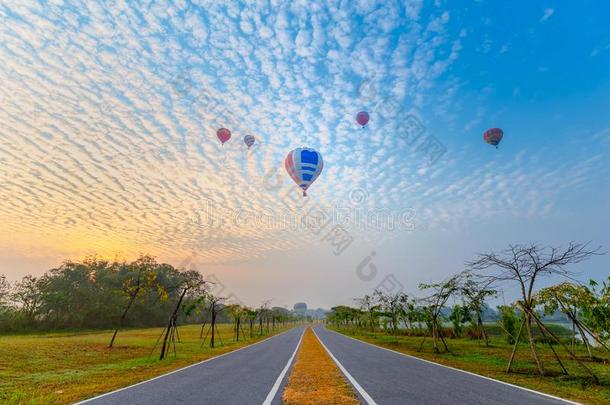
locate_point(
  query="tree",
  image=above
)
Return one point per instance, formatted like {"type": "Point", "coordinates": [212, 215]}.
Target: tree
{"type": "Point", "coordinates": [597, 313]}
{"type": "Point", "coordinates": [572, 299]}
{"type": "Point", "coordinates": [368, 305]}
{"type": "Point", "coordinates": [192, 282]}
{"type": "Point", "coordinates": [28, 296]}
{"type": "Point", "coordinates": [5, 291]}
{"type": "Point", "coordinates": [215, 307]}
{"type": "Point", "coordinates": [236, 312]}
{"type": "Point", "coordinates": [460, 314]}
{"type": "Point", "coordinates": [525, 265]}
{"type": "Point", "coordinates": [434, 304]}
{"type": "Point", "coordinates": [250, 314]}
{"type": "Point", "coordinates": [392, 306]}
{"type": "Point", "coordinates": [139, 277]}
{"type": "Point", "coordinates": [508, 322]}
{"type": "Point", "coordinates": [475, 294]}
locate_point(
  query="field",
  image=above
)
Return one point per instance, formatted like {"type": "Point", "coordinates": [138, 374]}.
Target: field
{"type": "Point", "coordinates": [66, 367]}
{"type": "Point", "coordinates": [472, 355]}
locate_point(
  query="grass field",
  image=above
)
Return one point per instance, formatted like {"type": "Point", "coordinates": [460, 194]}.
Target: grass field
{"type": "Point", "coordinates": [315, 378]}
{"type": "Point", "coordinates": [66, 367]}
{"type": "Point", "coordinates": [473, 356]}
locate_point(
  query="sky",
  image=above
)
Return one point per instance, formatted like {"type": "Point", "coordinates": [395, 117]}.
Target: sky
{"type": "Point", "coordinates": [108, 147]}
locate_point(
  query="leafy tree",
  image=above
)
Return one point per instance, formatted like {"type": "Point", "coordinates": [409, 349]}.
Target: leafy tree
{"type": "Point", "coordinates": [597, 312]}
{"type": "Point", "coordinates": [370, 307]}
{"type": "Point", "coordinates": [193, 283]}
{"type": "Point", "coordinates": [475, 293]}
{"type": "Point", "coordinates": [139, 277]}
{"type": "Point", "coordinates": [5, 290]}
{"type": "Point", "coordinates": [434, 304]}
{"type": "Point", "coordinates": [392, 306]}
{"type": "Point", "coordinates": [508, 322]}
{"type": "Point", "coordinates": [28, 296]}
{"type": "Point", "coordinates": [460, 314]}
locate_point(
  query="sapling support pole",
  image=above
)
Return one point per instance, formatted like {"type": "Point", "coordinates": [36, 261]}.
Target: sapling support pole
{"type": "Point", "coordinates": [517, 338]}
{"type": "Point", "coordinates": [171, 326]}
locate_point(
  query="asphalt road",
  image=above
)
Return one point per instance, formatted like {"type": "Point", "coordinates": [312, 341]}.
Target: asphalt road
{"type": "Point", "coordinates": [245, 376]}
{"type": "Point", "coordinates": [391, 378]}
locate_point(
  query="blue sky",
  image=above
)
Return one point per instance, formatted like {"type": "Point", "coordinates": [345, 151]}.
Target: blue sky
{"type": "Point", "coordinates": [109, 112]}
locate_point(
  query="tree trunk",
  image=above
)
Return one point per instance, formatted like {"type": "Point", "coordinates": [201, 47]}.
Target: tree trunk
{"type": "Point", "coordinates": [530, 335]}
{"type": "Point", "coordinates": [121, 321]}
{"type": "Point", "coordinates": [213, 324]}
{"type": "Point", "coordinates": [434, 337]}
{"type": "Point", "coordinates": [172, 323]}
{"type": "Point", "coordinates": [482, 328]}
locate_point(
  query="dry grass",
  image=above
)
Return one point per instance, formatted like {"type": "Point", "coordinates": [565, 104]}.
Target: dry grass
{"type": "Point", "coordinates": [315, 379]}
{"type": "Point", "coordinates": [59, 368]}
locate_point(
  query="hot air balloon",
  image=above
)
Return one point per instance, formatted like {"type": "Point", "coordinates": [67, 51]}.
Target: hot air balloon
{"type": "Point", "coordinates": [493, 136]}
{"type": "Point", "coordinates": [223, 135]}
{"type": "Point", "coordinates": [362, 118]}
{"type": "Point", "coordinates": [249, 140]}
{"type": "Point", "coordinates": [304, 165]}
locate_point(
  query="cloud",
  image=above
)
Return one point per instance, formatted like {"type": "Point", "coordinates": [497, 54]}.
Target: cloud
{"type": "Point", "coordinates": [548, 13]}
{"type": "Point", "coordinates": [110, 114]}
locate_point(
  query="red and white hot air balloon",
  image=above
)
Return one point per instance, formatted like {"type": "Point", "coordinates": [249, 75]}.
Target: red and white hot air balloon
{"type": "Point", "coordinates": [493, 136]}
{"type": "Point", "coordinates": [362, 118]}
{"type": "Point", "coordinates": [223, 135]}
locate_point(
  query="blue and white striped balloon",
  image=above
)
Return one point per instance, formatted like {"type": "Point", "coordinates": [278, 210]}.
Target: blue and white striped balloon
{"type": "Point", "coordinates": [249, 140]}
{"type": "Point", "coordinates": [304, 165]}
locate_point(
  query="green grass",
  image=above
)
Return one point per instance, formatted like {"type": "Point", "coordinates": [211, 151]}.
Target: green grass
{"type": "Point", "coordinates": [66, 367]}
{"type": "Point", "coordinates": [473, 356]}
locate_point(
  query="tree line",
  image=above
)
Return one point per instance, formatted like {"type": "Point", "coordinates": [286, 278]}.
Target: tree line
{"type": "Point", "coordinates": [102, 294]}
{"type": "Point", "coordinates": [462, 299]}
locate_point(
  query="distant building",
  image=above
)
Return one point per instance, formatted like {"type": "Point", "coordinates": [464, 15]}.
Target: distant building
{"type": "Point", "coordinates": [300, 308]}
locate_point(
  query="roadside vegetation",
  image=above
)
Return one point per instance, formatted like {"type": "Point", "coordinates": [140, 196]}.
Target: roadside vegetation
{"type": "Point", "coordinates": [88, 327]}
{"type": "Point", "coordinates": [315, 378]}
{"type": "Point", "coordinates": [446, 324]}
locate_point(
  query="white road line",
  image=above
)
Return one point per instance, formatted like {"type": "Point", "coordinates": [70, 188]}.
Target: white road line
{"type": "Point", "coordinates": [457, 369]}
{"type": "Point", "coordinates": [367, 398]}
{"type": "Point", "coordinates": [178, 370]}
{"type": "Point", "coordinates": [278, 382]}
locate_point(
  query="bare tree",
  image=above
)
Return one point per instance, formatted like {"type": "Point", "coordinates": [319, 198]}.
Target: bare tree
{"type": "Point", "coordinates": [525, 265]}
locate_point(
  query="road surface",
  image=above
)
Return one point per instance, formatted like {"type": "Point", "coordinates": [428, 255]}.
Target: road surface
{"type": "Point", "coordinates": [246, 376]}
{"type": "Point", "coordinates": [391, 378]}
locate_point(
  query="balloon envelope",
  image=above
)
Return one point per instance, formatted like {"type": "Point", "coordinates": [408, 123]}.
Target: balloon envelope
{"type": "Point", "coordinates": [249, 140]}
{"type": "Point", "coordinates": [493, 136]}
{"type": "Point", "coordinates": [223, 135]}
{"type": "Point", "coordinates": [304, 165]}
{"type": "Point", "coordinates": [362, 118]}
